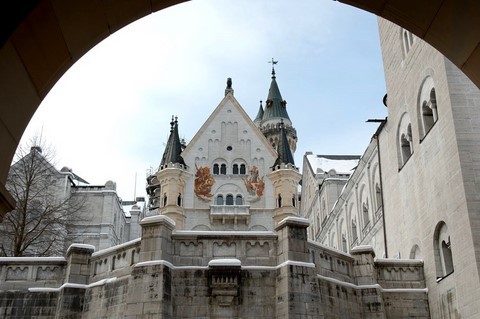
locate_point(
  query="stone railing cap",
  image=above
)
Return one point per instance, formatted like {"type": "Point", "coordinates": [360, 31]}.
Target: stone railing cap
{"type": "Point", "coordinates": [362, 249]}
{"type": "Point", "coordinates": [293, 221]}
{"type": "Point", "coordinates": [158, 219]}
{"type": "Point", "coordinates": [89, 248]}
{"type": "Point", "coordinates": [225, 262]}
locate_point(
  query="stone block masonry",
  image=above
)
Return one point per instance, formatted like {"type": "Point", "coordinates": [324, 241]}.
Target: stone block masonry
{"type": "Point", "coordinates": [293, 278]}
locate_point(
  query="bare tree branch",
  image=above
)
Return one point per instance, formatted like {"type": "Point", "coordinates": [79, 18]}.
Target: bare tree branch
{"type": "Point", "coordinates": [45, 205]}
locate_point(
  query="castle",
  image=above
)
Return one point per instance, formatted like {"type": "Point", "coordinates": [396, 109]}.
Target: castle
{"type": "Point", "coordinates": [226, 235]}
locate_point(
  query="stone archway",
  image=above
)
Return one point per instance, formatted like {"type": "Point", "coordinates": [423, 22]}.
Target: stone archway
{"type": "Point", "coordinates": [42, 39]}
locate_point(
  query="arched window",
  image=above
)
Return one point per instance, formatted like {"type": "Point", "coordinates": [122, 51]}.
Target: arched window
{"type": "Point", "coordinates": [366, 218]}
{"type": "Point", "coordinates": [354, 231]}
{"type": "Point", "coordinates": [279, 200]}
{"type": "Point", "coordinates": [378, 195]}
{"type": "Point", "coordinates": [164, 199]}
{"type": "Point", "coordinates": [239, 200]}
{"type": "Point", "coordinates": [294, 202]}
{"type": "Point", "coordinates": [428, 114]}
{"type": "Point", "coordinates": [223, 169]}
{"type": "Point", "coordinates": [229, 199]}
{"type": "Point", "coordinates": [243, 169]}
{"type": "Point", "coordinates": [235, 169]}
{"type": "Point", "coordinates": [405, 140]}
{"type": "Point", "coordinates": [219, 200]}
{"type": "Point", "coordinates": [179, 200]}
{"type": "Point", "coordinates": [215, 169]}
{"type": "Point", "coordinates": [344, 243]}
{"type": "Point", "coordinates": [442, 251]}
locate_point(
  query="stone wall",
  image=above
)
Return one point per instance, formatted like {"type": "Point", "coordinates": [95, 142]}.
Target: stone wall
{"type": "Point", "coordinates": [184, 274]}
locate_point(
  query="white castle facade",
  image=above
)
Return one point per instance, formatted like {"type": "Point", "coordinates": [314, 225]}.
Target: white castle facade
{"type": "Point", "coordinates": [389, 234]}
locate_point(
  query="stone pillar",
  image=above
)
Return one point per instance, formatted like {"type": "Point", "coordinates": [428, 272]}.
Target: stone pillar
{"type": "Point", "coordinates": [134, 222]}
{"type": "Point", "coordinates": [365, 273]}
{"type": "Point", "coordinates": [72, 294]}
{"type": "Point", "coordinates": [78, 263]}
{"type": "Point", "coordinates": [364, 265]}
{"type": "Point", "coordinates": [295, 272]}
{"type": "Point", "coordinates": [156, 241]}
{"type": "Point", "coordinates": [292, 239]}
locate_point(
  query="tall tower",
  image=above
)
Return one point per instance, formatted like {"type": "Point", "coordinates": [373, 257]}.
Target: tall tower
{"type": "Point", "coordinates": [270, 117]}
{"type": "Point", "coordinates": [285, 179]}
{"type": "Point", "coordinates": [167, 186]}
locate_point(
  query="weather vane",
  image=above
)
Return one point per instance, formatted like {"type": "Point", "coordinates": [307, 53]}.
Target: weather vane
{"type": "Point", "coordinates": [273, 62]}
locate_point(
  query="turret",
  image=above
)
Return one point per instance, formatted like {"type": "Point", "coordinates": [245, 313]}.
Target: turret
{"type": "Point", "coordinates": [275, 112]}
{"type": "Point", "coordinates": [167, 185]}
{"type": "Point", "coordinates": [285, 179]}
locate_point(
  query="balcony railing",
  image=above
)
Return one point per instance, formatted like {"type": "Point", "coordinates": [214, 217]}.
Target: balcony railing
{"type": "Point", "coordinates": [230, 212]}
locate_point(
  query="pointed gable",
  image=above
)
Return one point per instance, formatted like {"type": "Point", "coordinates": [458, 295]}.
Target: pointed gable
{"type": "Point", "coordinates": [229, 126]}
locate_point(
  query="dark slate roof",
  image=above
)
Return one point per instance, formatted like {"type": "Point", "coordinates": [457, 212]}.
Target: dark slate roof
{"type": "Point", "coordinates": [283, 149]}
{"type": "Point", "coordinates": [174, 147]}
{"type": "Point", "coordinates": [259, 114]}
{"type": "Point", "coordinates": [275, 107]}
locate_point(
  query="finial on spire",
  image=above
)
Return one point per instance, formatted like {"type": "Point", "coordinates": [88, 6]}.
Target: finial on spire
{"type": "Point", "coordinates": [273, 62]}
{"type": "Point", "coordinates": [172, 123]}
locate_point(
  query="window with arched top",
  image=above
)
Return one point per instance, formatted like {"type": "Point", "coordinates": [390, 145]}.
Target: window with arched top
{"type": "Point", "coordinates": [179, 200]}
{"type": "Point", "coordinates": [378, 196]}
{"type": "Point", "coordinates": [239, 200]}
{"type": "Point", "coordinates": [216, 169]}
{"type": "Point", "coordinates": [229, 199]}
{"type": "Point", "coordinates": [223, 169]}
{"type": "Point", "coordinates": [404, 140]}
{"type": "Point", "coordinates": [243, 169]}
{"type": "Point", "coordinates": [279, 200]}
{"type": "Point", "coordinates": [219, 200]}
{"type": "Point", "coordinates": [442, 251]}
{"type": "Point", "coordinates": [235, 169]}
{"type": "Point", "coordinates": [354, 231]}
{"type": "Point", "coordinates": [427, 105]}
{"type": "Point", "coordinates": [366, 217]}
{"type": "Point", "coordinates": [344, 243]}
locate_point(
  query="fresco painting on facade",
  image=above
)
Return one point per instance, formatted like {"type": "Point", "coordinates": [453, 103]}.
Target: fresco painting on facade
{"type": "Point", "coordinates": [254, 184]}
{"type": "Point", "coordinates": [203, 183]}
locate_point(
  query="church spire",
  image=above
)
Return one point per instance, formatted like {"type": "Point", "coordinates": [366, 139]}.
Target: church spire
{"type": "Point", "coordinates": [273, 113]}
{"type": "Point", "coordinates": [276, 106]}
{"type": "Point", "coordinates": [258, 119]}
{"type": "Point", "coordinates": [174, 147]}
{"type": "Point", "coordinates": [283, 149]}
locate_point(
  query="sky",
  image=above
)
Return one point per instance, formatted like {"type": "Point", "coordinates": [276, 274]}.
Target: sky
{"type": "Point", "coordinates": [108, 117]}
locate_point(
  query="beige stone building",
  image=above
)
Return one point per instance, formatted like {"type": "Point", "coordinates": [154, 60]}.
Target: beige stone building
{"type": "Point", "coordinates": [90, 214]}
{"type": "Point", "coordinates": [420, 173]}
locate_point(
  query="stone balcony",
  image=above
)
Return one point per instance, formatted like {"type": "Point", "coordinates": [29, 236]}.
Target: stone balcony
{"type": "Point", "coordinates": [230, 213]}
